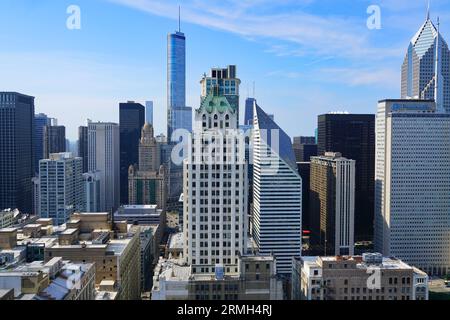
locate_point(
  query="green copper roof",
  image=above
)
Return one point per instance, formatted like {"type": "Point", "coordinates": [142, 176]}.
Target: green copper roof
{"type": "Point", "coordinates": [215, 102]}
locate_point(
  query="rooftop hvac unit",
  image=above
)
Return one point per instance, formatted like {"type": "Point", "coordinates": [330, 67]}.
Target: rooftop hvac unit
{"type": "Point", "coordinates": [373, 258]}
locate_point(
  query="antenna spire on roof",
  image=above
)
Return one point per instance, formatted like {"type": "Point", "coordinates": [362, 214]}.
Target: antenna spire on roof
{"type": "Point", "coordinates": [179, 18]}
{"type": "Point", "coordinates": [428, 11]}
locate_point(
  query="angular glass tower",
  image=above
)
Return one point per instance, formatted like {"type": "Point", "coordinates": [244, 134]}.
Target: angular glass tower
{"type": "Point", "coordinates": [424, 66]}
{"type": "Point", "coordinates": [277, 195]}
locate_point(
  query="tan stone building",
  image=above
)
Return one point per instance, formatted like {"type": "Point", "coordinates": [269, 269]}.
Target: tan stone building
{"type": "Point", "coordinates": [256, 280]}
{"type": "Point", "coordinates": [367, 277]}
{"type": "Point", "coordinates": [91, 237]}
{"type": "Point", "coordinates": [332, 204]}
{"type": "Point", "coordinates": [147, 182]}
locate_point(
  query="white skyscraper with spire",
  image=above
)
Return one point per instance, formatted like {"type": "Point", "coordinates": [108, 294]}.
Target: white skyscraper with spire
{"type": "Point", "coordinates": [425, 66]}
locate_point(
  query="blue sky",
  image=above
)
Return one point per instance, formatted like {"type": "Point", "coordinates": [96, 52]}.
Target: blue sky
{"type": "Point", "coordinates": [307, 57]}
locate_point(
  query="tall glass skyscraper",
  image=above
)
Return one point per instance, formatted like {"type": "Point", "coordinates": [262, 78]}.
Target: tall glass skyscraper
{"type": "Point", "coordinates": [16, 151]}
{"type": "Point", "coordinates": [178, 115]}
{"type": "Point", "coordinates": [424, 66]}
{"type": "Point", "coordinates": [149, 112]}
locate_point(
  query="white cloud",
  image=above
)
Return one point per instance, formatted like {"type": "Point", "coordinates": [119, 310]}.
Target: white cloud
{"type": "Point", "coordinates": [383, 77]}
{"type": "Point", "coordinates": [310, 34]}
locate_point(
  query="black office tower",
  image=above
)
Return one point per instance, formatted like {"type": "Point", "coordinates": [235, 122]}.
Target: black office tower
{"type": "Point", "coordinates": [353, 135]}
{"type": "Point", "coordinates": [132, 119]}
{"type": "Point", "coordinates": [304, 172]}
{"type": "Point", "coordinates": [304, 148]}
{"type": "Point", "coordinates": [82, 146]}
{"type": "Point", "coordinates": [54, 140]}
{"type": "Point", "coordinates": [16, 151]}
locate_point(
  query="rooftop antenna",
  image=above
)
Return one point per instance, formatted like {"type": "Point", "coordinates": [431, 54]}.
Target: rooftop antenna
{"type": "Point", "coordinates": [254, 89]}
{"type": "Point", "coordinates": [179, 18]}
{"type": "Point", "coordinates": [436, 76]}
{"type": "Point", "coordinates": [428, 11]}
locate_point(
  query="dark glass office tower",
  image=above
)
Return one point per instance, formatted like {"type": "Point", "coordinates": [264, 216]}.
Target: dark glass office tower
{"type": "Point", "coordinates": [353, 135]}
{"type": "Point", "coordinates": [132, 119]}
{"type": "Point", "coordinates": [248, 116]}
{"type": "Point", "coordinates": [40, 121]}
{"type": "Point", "coordinates": [54, 140]}
{"type": "Point", "coordinates": [304, 172]}
{"type": "Point", "coordinates": [83, 146]}
{"type": "Point", "coordinates": [304, 148]}
{"type": "Point", "coordinates": [16, 151]}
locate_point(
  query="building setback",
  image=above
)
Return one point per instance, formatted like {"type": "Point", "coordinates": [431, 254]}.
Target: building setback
{"type": "Point", "coordinates": [353, 135]}
{"type": "Point", "coordinates": [16, 151]}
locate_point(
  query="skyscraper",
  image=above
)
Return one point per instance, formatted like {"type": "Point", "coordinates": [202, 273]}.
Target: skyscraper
{"type": "Point", "coordinates": [277, 195]}
{"type": "Point", "coordinates": [227, 82]}
{"type": "Point", "coordinates": [332, 204]}
{"type": "Point", "coordinates": [103, 144]}
{"type": "Point", "coordinates": [353, 135]}
{"type": "Point", "coordinates": [248, 115]}
{"type": "Point", "coordinates": [424, 66]}
{"type": "Point", "coordinates": [149, 112]}
{"type": "Point", "coordinates": [83, 146]}
{"type": "Point", "coordinates": [40, 121]}
{"type": "Point", "coordinates": [60, 187]}
{"type": "Point", "coordinates": [304, 148]}
{"type": "Point", "coordinates": [16, 151]}
{"type": "Point", "coordinates": [91, 184]}
{"type": "Point", "coordinates": [147, 182]}
{"type": "Point", "coordinates": [54, 140]}
{"type": "Point", "coordinates": [215, 190]}
{"type": "Point", "coordinates": [179, 116]}
{"type": "Point", "coordinates": [412, 184]}
{"type": "Point", "coordinates": [132, 119]}
{"type": "Point", "coordinates": [304, 170]}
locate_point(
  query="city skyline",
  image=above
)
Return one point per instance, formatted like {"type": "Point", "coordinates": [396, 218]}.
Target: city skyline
{"type": "Point", "coordinates": [307, 154]}
{"type": "Point", "coordinates": [91, 73]}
